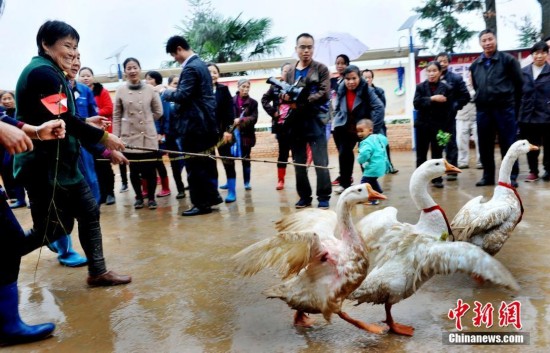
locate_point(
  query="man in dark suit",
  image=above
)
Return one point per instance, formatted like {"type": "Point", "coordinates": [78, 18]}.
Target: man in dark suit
{"type": "Point", "coordinates": [196, 125]}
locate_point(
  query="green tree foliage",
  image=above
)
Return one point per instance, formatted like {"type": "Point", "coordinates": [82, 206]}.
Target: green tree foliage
{"type": "Point", "coordinates": [221, 40]}
{"type": "Point", "coordinates": [528, 33]}
{"type": "Point", "coordinates": [447, 33]}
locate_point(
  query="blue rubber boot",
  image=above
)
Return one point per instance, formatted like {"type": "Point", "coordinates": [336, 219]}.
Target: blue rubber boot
{"type": "Point", "coordinates": [66, 255]}
{"type": "Point", "coordinates": [12, 329]}
{"type": "Point", "coordinates": [246, 177]}
{"type": "Point", "coordinates": [231, 193]}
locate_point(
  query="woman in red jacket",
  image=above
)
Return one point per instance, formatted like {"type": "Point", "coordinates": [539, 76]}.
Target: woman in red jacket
{"type": "Point", "coordinates": [105, 175]}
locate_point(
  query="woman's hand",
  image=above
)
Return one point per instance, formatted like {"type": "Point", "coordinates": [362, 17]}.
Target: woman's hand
{"type": "Point", "coordinates": [113, 143]}
{"type": "Point", "coordinates": [439, 98]}
{"type": "Point", "coordinates": [118, 158]}
{"type": "Point", "coordinates": [236, 121]}
{"type": "Point", "coordinates": [98, 121]}
{"type": "Point", "coordinates": [50, 130]}
{"type": "Point", "coordinates": [13, 139]}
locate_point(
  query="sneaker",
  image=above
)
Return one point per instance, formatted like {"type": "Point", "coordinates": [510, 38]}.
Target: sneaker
{"type": "Point", "coordinates": [463, 166]}
{"type": "Point", "coordinates": [374, 202]}
{"type": "Point", "coordinates": [180, 195]}
{"type": "Point", "coordinates": [338, 190]}
{"type": "Point", "coordinates": [394, 171]}
{"type": "Point", "coordinates": [514, 183]}
{"type": "Point", "coordinates": [546, 176]}
{"type": "Point", "coordinates": [336, 181]}
{"type": "Point", "coordinates": [138, 204]}
{"type": "Point", "coordinates": [124, 188]}
{"type": "Point", "coordinates": [110, 200]}
{"type": "Point", "coordinates": [152, 204]}
{"type": "Point", "coordinates": [479, 166]}
{"type": "Point", "coordinates": [324, 205]}
{"type": "Point", "coordinates": [303, 203]}
{"type": "Point", "coordinates": [437, 184]}
{"type": "Point", "coordinates": [531, 177]}
{"type": "Point", "coordinates": [164, 193]}
{"type": "Point", "coordinates": [452, 177]}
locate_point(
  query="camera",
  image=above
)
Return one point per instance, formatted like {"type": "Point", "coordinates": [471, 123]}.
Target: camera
{"type": "Point", "coordinates": [295, 93]}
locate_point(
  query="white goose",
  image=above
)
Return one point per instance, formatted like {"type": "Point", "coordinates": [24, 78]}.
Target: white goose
{"type": "Point", "coordinates": [489, 224]}
{"type": "Point", "coordinates": [326, 262]}
{"type": "Point", "coordinates": [409, 255]}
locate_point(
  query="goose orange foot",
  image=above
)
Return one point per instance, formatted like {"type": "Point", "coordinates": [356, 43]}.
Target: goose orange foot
{"type": "Point", "coordinates": [363, 325]}
{"type": "Point", "coordinates": [302, 320]}
{"type": "Point", "coordinates": [479, 280]}
{"type": "Point", "coordinates": [400, 329]}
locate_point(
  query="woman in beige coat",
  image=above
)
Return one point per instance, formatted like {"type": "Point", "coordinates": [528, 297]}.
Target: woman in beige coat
{"type": "Point", "coordinates": [137, 106]}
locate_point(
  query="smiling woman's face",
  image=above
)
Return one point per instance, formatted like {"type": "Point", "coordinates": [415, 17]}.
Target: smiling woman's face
{"type": "Point", "coordinates": [63, 52]}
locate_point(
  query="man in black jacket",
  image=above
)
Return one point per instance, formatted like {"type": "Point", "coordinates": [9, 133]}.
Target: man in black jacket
{"type": "Point", "coordinates": [196, 125]}
{"type": "Point", "coordinates": [497, 80]}
{"type": "Point", "coordinates": [458, 99]}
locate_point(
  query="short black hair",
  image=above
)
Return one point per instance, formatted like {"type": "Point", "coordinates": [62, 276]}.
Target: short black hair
{"type": "Point", "coordinates": [546, 39]}
{"type": "Point", "coordinates": [367, 122]}
{"type": "Point", "coordinates": [445, 54]}
{"type": "Point", "coordinates": [540, 46]}
{"type": "Point", "coordinates": [85, 68]}
{"type": "Point", "coordinates": [51, 31]}
{"type": "Point", "coordinates": [350, 69]}
{"type": "Point", "coordinates": [436, 63]}
{"type": "Point", "coordinates": [367, 70]}
{"type": "Point", "coordinates": [487, 31]}
{"type": "Point", "coordinates": [155, 75]}
{"type": "Point", "coordinates": [208, 64]}
{"type": "Point", "coordinates": [130, 59]}
{"type": "Point", "coordinates": [174, 42]}
{"type": "Point", "coordinates": [343, 56]}
{"type": "Point", "coordinates": [305, 35]}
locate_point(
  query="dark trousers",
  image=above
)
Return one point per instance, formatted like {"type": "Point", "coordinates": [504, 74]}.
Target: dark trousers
{"type": "Point", "coordinates": [539, 135]}
{"type": "Point", "coordinates": [12, 188]}
{"type": "Point", "coordinates": [451, 150]}
{"type": "Point", "coordinates": [346, 158]}
{"type": "Point", "coordinates": [283, 139]}
{"type": "Point", "coordinates": [319, 151]}
{"type": "Point", "coordinates": [142, 166]}
{"type": "Point", "coordinates": [489, 122]}
{"type": "Point", "coordinates": [177, 162]}
{"type": "Point", "coordinates": [228, 164]}
{"type": "Point", "coordinates": [202, 176]}
{"type": "Point", "coordinates": [11, 237]}
{"type": "Point", "coordinates": [373, 181]}
{"type": "Point", "coordinates": [123, 174]}
{"type": "Point", "coordinates": [105, 178]}
{"type": "Point", "coordinates": [426, 138]}
{"type": "Point", "coordinates": [49, 223]}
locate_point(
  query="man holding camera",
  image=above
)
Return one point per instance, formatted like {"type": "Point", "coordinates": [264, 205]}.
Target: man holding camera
{"type": "Point", "coordinates": [307, 121]}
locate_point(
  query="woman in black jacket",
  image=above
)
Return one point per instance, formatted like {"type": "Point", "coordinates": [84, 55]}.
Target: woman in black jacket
{"type": "Point", "coordinates": [433, 114]}
{"type": "Point", "coordinates": [225, 117]}
{"type": "Point", "coordinates": [355, 101]}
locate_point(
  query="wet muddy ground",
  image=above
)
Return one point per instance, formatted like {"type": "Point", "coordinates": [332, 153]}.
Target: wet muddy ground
{"type": "Point", "coordinates": [185, 296]}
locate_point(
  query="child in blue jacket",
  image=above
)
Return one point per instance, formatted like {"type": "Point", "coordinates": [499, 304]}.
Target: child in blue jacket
{"type": "Point", "coordinates": [372, 155]}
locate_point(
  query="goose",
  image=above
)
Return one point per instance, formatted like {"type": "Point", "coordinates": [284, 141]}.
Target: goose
{"type": "Point", "coordinates": [320, 265]}
{"type": "Point", "coordinates": [408, 255]}
{"type": "Point", "coordinates": [488, 224]}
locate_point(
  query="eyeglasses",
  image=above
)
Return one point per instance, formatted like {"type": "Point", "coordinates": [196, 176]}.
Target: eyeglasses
{"type": "Point", "coordinates": [304, 47]}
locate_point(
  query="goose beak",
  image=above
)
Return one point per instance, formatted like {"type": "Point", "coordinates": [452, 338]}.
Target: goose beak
{"type": "Point", "coordinates": [449, 168]}
{"type": "Point", "coordinates": [533, 148]}
{"type": "Point", "coordinates": [374, 195]}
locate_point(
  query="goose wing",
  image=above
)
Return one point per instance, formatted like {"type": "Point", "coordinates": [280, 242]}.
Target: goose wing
{"type": "Point", "coordinates": [478, 218]}
{"type": "Point", "coordinates": [439, 257]}
{"type": "Point", "coordinates": [287, 253]}
{"type": "Point", "coordinates": [374, 225]}
{"type": "Point", "coordinates": [322, 222]}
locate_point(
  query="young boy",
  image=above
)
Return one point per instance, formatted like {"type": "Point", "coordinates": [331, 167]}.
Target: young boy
{"type": "Point", "coordinates": [372, 155]}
